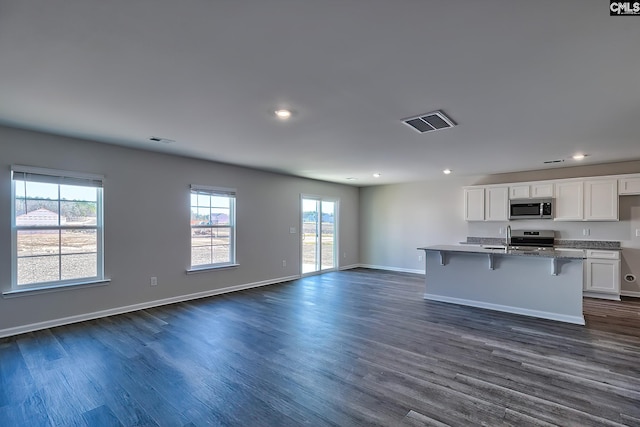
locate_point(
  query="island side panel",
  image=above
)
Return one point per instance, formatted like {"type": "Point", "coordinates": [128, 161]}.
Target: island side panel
{"type": "Point", "coordinates": [518, 284]}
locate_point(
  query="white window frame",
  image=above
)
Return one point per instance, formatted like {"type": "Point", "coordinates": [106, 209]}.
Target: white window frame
{"type": "Point", "coordinates": [231, 193]}
{"type": "Point", "coordinates": [60, 177]}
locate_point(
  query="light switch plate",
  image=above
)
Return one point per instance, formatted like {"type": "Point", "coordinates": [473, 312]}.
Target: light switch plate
{"type": "Point", "coordinates": [637, 232]}
{"type": "Point", "coordinates": [292, 230]}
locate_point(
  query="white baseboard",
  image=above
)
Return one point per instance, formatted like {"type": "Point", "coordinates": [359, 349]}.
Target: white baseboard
{"type": "Point", "coordinates": [578, 320]}
{"type": "Point", "coordinates": [349, 267]}
{"type": "Point", "coordinates": [630, 294]}
{"type": "Point", "coordinates": [597, 295]}
{"type": "Point", "coordinates": [400, 270]}
{"type": "Point", "coordinates": [135, 307]}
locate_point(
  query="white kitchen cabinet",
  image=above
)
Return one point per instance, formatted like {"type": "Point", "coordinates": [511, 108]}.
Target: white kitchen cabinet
{"type": "Point", "coordinates": [602, 274]}
{"type": "Point", "coordinates": [542, 190]}
{"type": "Point", "coordinates": [601, 200]}
{"type": "Point", "coordinates": [574, 199]}
{"type": "Point", "coordinates": [534, 190]}
{"type": "Point", "coordinates": [474, 204]}
{"type": "Point", "coordinates": [586, 200]}
{"type": "Point", "coordinates": [520, 191]}
{"type": "Point", "coordinates": [496, 201]}
{"type": "Point", "coordinates": [569, 201]}
{"type": "Point", "coordinates": [629, 185]}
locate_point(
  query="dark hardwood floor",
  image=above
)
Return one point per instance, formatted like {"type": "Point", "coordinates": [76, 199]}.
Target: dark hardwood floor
{"type": "Point", "coordinates": [353, 348]}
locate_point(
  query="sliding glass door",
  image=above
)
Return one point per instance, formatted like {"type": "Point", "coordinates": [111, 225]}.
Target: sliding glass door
{"type": "Point", "coordinates": [319, 234]}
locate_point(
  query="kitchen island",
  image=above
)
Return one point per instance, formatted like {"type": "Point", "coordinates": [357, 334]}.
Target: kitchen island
{"type": "Point", "coordinates": [546, 284]}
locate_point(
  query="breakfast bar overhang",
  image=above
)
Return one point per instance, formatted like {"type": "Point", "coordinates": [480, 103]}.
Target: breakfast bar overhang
{"type": "Point", "coordinates": [539, 284]}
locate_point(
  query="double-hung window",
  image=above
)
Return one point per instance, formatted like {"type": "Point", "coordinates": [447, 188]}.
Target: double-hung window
{"type": "Point", "coordinates": [213, 227]}
{"type": "Point", "coordinates": [57, 230]}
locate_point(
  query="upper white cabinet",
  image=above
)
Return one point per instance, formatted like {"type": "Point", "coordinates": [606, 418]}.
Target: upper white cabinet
{"type": "Point", "coordinates": [496, 201]}
{"type": "Point", "coordinates": [586, 200]}
{"type": "Point", "coordinates": [490, 203]}
{"type": "Point", "coordinates": [534, 190]}
{"type": "Point", "coordinates": [542, 190]}
{"type": "Point", "coordinates": [474, 204]}
{"type": "Point", "coordinates": [629, 185]}
{"type": "Point", "coordinates": [520, 191]}
{"type": "Point", "coordinates": [574, 199]}
{"type": "Point", "coordinates": [569, 201]}
{"type": "Point", "coordinates": [601, 200]}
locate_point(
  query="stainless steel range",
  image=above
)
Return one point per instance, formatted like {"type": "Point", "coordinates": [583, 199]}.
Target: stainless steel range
{"type": "Point", "coordinates": [532, 240]}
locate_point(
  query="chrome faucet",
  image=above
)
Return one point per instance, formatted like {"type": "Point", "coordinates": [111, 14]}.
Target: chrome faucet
{"type": "Point", "coordinates": [508, 237]}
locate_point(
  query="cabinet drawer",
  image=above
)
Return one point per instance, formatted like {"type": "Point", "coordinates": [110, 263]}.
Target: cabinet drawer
{"type": "Point", "coordinates": [596, 253]}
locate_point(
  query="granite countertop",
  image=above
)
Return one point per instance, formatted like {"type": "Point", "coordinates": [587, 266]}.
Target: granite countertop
{"type": "Point", "coordinates": [565, 253]}
{"type": "Point", "coordinates": [559, 243]}
{"type": "Point", "coordinates": [589, 244]}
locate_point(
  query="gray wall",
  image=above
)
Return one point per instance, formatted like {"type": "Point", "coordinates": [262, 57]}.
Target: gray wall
{"type": "Point", "coordinates": [395, 219]}
{"type": "Point", "coordinates": [146, 200]}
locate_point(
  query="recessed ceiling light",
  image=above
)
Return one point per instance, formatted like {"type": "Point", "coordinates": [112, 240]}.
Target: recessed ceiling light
{"type": "Point", "coordinates": [579, 156]}
{"type": "Point", "coordinates": [446, 171]}
{"type": "Point", "coordinates": [350, 178]}
{"type": "Point", "coordinates": [377, 175]}
{"type": "Point", "coordinates": [283, 114]}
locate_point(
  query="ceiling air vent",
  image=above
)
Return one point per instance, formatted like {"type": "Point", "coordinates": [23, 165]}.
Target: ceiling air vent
{"type": "Point", "coordinates": [163, 140]}
{"type": "Point", "coordinates": [429, 122]}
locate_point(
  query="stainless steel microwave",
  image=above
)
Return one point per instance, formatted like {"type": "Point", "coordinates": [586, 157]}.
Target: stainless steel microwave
{"type": "Point", "coordinates": [531, 209]}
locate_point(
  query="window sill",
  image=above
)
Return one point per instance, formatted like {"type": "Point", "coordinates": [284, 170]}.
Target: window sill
{"type": "Point", "coordinates": [211, 268]}
{"type": "Point", "coordinates": [13, 293]}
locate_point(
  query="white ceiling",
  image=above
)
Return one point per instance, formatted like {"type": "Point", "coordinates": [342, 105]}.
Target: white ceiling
{"type": "Point", "coordinates": [527, 81]}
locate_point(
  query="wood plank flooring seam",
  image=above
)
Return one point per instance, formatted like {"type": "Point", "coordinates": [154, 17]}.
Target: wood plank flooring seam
{"type": "Point", "coordinates": [624, 389]}
{"type": "Point", "coordinates": [539, 402]}
{"type": "Point", "coordinates": [414, 418]}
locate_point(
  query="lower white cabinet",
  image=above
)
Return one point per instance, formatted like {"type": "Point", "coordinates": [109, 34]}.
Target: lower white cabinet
{"type": "Point", "coordinates": [602, 274]}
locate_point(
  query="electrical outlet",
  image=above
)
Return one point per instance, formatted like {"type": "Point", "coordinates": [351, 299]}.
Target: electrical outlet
{"type": "Point", "coordinates": [284, 263]}
{"type": "Point", "coordinates": [344, 255]}
{"type": "Point", "coordinates": [154, 281]}
{"type": "Point", "coordinates": [501, 231]}
{"type": "Point", "coordinates": [586, 232]}
{"type": "Point", "coordinates": [637, 232]}
{"type": "Point", "coordinates": [292, 230]}
{"type": "Point", "coordinates": [419, 257]}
